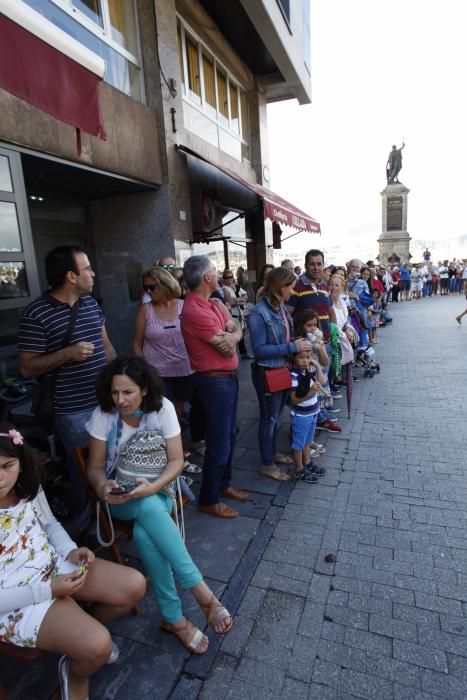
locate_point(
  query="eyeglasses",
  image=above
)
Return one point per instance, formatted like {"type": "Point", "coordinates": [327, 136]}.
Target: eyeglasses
{"type": "Point", "coordinates": [149, 287]}
{"type": "Point", "coordinates": [170, 266]}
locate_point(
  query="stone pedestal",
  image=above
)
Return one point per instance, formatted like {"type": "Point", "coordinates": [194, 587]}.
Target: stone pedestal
{"type": "Point", "coordinates": [394, 238]}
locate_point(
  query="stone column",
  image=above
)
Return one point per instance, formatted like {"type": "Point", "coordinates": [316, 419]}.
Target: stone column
{"type": "Point", "coordinates": [394, 237]}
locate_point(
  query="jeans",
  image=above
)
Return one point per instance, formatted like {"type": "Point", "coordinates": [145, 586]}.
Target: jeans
{"type": "Point", "coordinates": [303, 430]}
{"type": "Point", "coordinates": [71, 430]}
{"type": "Point", "coordinates": [162, 550]}
{"type": "Point", "coordinates": [452, 285]}
{"type": "Point", "coordinates": [218, 397]}
{"type": "Point", "coordinates": [270, 409]}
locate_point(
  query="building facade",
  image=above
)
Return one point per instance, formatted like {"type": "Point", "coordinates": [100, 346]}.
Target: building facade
{"type": "Point", "coordinates": [184, 167]}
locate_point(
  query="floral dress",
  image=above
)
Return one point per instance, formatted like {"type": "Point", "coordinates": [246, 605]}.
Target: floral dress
{"type": "Point", "coordinates": [33, 548]}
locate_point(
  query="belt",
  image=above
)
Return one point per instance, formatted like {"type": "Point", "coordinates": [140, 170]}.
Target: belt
{"type": "Point", "coordinates": [221, 373]}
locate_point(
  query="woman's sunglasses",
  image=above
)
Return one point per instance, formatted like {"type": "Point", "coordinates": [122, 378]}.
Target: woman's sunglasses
{"type": "Point", "coordinates": [149, 287]}
{"type": "Point", "coordinates": [228, 277]}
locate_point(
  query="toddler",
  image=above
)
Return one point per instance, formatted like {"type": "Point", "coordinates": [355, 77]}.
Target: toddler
{"type": "Point", "coordinates": [307, 380]}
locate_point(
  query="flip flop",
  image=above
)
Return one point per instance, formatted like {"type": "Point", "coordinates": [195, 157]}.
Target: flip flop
{"type": "Point", "coordinates": [281, 458]}
{"type": "Point", "coordinates": [275, 473]}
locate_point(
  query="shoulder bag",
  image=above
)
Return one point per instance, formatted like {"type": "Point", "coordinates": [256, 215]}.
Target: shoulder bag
{"type": "Point", "coordinates": [42, 403]}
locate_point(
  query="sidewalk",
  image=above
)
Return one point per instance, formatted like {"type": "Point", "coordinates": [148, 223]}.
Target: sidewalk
{"type": "Point", "coordinates": [387, 619]}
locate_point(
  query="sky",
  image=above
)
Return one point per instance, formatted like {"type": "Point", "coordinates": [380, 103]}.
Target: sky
{"type": "Point", "coordinates": [382, 73]}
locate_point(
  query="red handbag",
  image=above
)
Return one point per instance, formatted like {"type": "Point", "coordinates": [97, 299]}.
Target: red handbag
{"type": "Point", "coordinates": [277, 379]}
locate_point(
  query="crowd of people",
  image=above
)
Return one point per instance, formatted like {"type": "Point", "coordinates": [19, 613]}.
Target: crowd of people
{"type": "Point", "coordinates": [191, 333]}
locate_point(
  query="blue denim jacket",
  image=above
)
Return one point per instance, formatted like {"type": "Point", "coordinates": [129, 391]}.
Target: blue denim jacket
{"type": "Point", "coordinates": [267, 333]}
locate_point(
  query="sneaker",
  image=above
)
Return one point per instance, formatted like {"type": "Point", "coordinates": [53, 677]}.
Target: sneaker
{"type": "Point", "coordinates": [329, 427]}
{"type": "Point", "coordinates": [306, 476]}
{"type": "Point", "coordinates": [333, 420]}
{"type": "Point", "coordinates": [319, 448]}
{"type": "Point", "coordinates": [315, 469]}
{"type": "Point", "coordinates": [333, 410]}
{"type": "Point", "coordinates": [336, 395]}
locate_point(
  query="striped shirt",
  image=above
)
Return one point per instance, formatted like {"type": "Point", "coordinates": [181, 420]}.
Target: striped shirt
{"type": "Point", "coordinates": [309, 406]}
{"type": "Point", "coordinates": [42, 327]}
{"type": "Point", "coordinates": [307, 295]}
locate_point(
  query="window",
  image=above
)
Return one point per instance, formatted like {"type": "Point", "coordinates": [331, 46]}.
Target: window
{"type": "Point", "coordinates": [216, 107]}
{"type": "Point", "coordinates": [106, 27]}
{"type": "Point", "coordinates": [285, 9]}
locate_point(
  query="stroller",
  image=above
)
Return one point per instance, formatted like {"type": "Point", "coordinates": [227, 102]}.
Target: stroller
{"type": "Point", "coordinates": [364, 359]}
{"type": "Point", "coordinates": [364, 353]}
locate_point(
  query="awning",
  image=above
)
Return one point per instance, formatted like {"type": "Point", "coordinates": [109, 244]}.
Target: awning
{"type": "Point", "coordinates": [62, 81]}
{"type": "Point", "coordinates": [275, 208]}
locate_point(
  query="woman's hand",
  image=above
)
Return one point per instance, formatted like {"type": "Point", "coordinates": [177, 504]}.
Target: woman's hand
{"type": "Point", "coordinates": [303, 345]}
{"type": "Point", "coordinates": [80, 556]}
{"type": "Point", "coordinates": [143, 489]}
{"type": "Point", "coordinates": [64, 585]}
{"type": "Point", "coordinates": [104, 491]}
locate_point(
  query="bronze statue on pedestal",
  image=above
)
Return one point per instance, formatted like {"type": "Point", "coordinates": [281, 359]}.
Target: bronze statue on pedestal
{"type": "Point", "coordinates": [394, 164]}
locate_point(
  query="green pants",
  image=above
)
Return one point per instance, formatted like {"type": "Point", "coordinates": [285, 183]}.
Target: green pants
{"type": "Point", "coordinates": [162, 550]}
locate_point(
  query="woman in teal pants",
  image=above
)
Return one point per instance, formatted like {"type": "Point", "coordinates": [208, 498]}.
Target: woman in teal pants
{"type": "Point", "coordinates": [130, 399]}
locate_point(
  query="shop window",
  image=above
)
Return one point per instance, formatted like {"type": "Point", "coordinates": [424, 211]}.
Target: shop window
{"type": "Point", "coordinates": [10, 240]}
{"type": "Point", "coordinates": [216, 107]}
{"type": "Point", "coordinates": [13, 281]}
{"type": "Point", "coordinates": [5, 176]}
{"type": "Point", "coordinates": [106, 27]}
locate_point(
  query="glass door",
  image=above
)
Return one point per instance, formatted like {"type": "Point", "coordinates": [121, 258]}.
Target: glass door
{"type": "Point", "coordinates": [18, 268]}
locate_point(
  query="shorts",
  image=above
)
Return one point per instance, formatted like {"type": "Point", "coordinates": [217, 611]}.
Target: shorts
{"type": "Point", "coordinates": [303, 430]}
{"type": "Point", "coordinates": [21, 626]}
{"type": "Point", "coordinates": [178, 388]}
{"type": "Point", "coordinates": [405, 285]}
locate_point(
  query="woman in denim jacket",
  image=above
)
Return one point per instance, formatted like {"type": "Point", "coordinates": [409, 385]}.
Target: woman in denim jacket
{"type": "Point", "coordinates": [271, 333]}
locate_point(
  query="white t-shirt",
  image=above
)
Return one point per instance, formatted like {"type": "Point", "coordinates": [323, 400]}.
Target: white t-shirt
{"type": "Point", "coordinates": [443, 272]}
{"type": "Point", "coordinates": [342, 314]}
{"type": "Point", "coordinates": [164, 420]}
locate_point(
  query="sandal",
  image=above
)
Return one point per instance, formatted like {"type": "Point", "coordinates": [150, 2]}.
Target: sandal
{"type": "Point", "coordinates": [319, 448]}
{"type": "Point", "coordinates": [216, 613]}
{"type": "Point", "coordinates": [192, 643]}
{"type": "Point", "coordinates": [275, 473]}
{"type": "Point", "coordinates": [281, 458]}
{"type": "Point", "coordinates": [191, 468]}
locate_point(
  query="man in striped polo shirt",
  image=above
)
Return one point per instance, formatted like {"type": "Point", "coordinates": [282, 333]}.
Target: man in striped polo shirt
{"type": "Point", "coordinates": [310, 291]}
{"type": "Point", "coordinates": [42, 329]}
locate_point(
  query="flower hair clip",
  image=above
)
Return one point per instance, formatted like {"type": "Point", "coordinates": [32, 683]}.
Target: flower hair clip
{"type": "Point", "coordinates": [15, 436]}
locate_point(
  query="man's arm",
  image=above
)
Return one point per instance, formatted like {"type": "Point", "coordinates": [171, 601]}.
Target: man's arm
{"type": "Point", "coordinates": [34, 364]}
{"type": "Point", "coordinates": [108, 347]}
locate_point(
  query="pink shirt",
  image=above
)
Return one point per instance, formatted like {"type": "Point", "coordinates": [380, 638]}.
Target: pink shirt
{"type": "Point", "coordinates": [200, 321]}
{"type": "Point", "coordinates": [163, 346]}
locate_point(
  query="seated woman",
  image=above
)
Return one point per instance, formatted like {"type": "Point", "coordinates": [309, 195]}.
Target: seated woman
{"type": "Point", "coordinates": [130, 399]}
{"type": "Point", "coordinates": [43, 576]}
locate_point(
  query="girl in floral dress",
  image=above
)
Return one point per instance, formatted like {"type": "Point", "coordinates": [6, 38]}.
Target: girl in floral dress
{"type": "Point", "coordinates": [43, 573]}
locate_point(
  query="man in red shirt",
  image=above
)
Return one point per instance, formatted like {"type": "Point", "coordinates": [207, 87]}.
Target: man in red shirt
{"type": "Point", "coordinates": [211, 338]}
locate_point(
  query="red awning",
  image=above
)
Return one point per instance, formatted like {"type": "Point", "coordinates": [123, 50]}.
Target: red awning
{"type": "Point", "coordinates": [274, 207]}
{"type": "Point", "coordinates": [39, 74]}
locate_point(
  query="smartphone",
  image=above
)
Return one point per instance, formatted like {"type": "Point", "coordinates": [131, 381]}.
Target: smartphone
{"type": "Point", "coordinates": [120, 490]}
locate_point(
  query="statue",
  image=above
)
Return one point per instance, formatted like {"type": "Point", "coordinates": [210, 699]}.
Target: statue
{"type": "Point", "coordinates": [394, 164]}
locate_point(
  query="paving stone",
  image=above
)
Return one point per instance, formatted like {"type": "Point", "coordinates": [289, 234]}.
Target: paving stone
{"type": "Point", "coordinates": [365, 686]}
{"type": "Point", "coordinates": [420, 655]}
{"type": "Point", "coordinates": [369, 604]}
{"type": "Point", "coordinates": [347, 616]}
{"type": "Point", "coordinates": [294, 689]}
{"type": "Point", "coordinates": [368, 641]}
{"type": "Point", "coordinates": [386, 626]}
{"type": "Point", "coordinates": [444, 685]}
{"type": "Point", "coordinates": [397, 595]}
{"type": "Point", "coordinates": [443, 605]}
{"type": "Point", "coordinates": [259, 674]}
{"type": "Point", "coordinates": [409, 613]}
{"type": "Point", "coordinates": [235, 641]}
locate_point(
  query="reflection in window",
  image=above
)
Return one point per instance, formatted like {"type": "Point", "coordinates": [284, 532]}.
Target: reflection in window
{"type": "Point", "coordinates": [90, 8]}
{"type": "Point", "coordinates": [192, 58]}
{"type": "Point", "coordinates": [9, 229]}
{"type": "Point", "coordinates": [245, 116]}
{"type": "Point", "coordinates": [222, 91]}
{"type": "Point", "coordinates": [13, 280]}
{"type": "Point", "coordinates": [209, 82]}
{"type": "Point", "coordinates": [5, 175]}
{"type": "Point", "coordinates": [234, 121]}
{"type": "Point", "coordinates": [123, 24]}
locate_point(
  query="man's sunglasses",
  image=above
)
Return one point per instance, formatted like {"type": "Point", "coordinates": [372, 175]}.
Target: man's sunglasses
{"type": "Point", "coordinates": [149, 287]}
{"type": "Point", "coordinates": [168, 267]}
